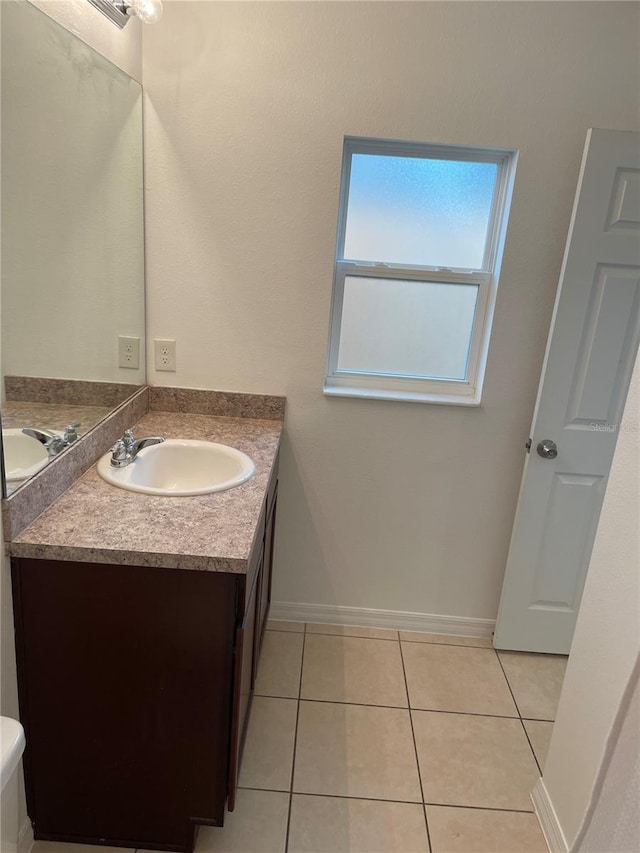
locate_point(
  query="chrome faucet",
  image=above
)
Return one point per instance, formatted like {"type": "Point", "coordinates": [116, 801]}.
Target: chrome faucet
{"type": "Point", "coordinates": [52, 442]}
{"type": "Point", "coordinates": [125, 450]}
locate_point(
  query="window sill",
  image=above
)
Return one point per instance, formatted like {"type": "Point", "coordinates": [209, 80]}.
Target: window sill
{"type": "Point", "coordinates": [403, 396]}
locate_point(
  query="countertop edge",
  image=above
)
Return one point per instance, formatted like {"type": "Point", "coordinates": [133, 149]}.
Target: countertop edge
{"type": "Point", "coordinates": [158, 559]}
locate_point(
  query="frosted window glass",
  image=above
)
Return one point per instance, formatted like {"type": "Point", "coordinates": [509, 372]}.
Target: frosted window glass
{"type": "Point", "coordinates": [417, 211]}
{"type": "Point", "coordinates": [406, 328]}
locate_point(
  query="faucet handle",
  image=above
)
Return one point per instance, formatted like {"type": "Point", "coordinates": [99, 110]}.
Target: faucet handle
{"type": "Point", "coordinates": [128, 439]}
{"type": "Point", "coordinates": [56, 445]}
{"type": "Point", "coordinates": [119, 454]}
{"type": "Point", "coordinates": [70, 434]}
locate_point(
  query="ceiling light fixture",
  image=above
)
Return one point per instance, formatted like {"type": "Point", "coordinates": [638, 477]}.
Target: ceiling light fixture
{"type": "Point", "coordinates": [119, 11]}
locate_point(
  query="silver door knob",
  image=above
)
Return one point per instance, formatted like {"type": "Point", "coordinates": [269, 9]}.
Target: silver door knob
{"type": "Point", "coordinates": [547, 449]}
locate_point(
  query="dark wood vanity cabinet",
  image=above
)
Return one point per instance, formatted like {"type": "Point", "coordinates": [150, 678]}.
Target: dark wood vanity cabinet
{"type": "Point", "coordinates": [135, 688]}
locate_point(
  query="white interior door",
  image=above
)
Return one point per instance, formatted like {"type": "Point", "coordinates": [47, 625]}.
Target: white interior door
{"type": "Point", "coordinates": [590, 356]}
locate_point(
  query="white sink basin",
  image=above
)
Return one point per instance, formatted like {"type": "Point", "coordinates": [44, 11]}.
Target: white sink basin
{"type": "Point", "coordinates": [180, 467]}
{"type": "Point", "coordinates": [24, 456]}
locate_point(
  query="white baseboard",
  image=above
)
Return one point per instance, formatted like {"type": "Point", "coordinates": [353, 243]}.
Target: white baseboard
{"type": "Point", "coordinates": [402, 620]}
{"type": "Point", "coordinates": [548, 819]}
{"type": "Point", "coordinates": [25, 838]}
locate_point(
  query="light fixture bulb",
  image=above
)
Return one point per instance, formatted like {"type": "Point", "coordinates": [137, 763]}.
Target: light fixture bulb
{"type": "Point", "coordinates": [149, 11]}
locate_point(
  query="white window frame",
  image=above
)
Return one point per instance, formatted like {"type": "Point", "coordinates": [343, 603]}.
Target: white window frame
{"type": "Point", "coordinates": [465, 392]}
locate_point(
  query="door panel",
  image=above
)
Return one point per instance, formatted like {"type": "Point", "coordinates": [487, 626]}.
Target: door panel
{"type": "Point", "coordinates": [580, 495]}
{"type": "Point", "coordinates": [590, 356]}
{"type": "Point", "coordinates": [624, 210]}
{"type": "Point", "coordinates": [608, 347]}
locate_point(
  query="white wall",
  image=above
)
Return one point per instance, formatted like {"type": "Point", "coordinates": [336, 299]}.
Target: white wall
{"type": "Point", "coordinates": [613, 819]}
{"type": "Point", "coordinates": [383, 505]}
{"type": "Point", "coordinates": [606, 643]}
{"type": "Point", "coordinates": [123, 49]}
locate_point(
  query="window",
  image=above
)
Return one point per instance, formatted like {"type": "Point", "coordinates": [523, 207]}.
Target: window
{"type": "Point", "coordinates": [421, 230]}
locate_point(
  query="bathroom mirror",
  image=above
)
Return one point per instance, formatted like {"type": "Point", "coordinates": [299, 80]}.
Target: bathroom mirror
{"type": "Point", "coordinates": [72, 287]}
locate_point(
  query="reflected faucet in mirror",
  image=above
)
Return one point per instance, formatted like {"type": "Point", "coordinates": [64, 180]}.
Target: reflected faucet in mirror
{"type": "Point", "coordinates": [28, 449]}
{"type": "Point", "coordinates": [53, 442]}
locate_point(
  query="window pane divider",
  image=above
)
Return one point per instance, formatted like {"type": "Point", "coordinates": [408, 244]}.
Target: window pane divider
{"type": "Point", "coordinates": [418, 273]}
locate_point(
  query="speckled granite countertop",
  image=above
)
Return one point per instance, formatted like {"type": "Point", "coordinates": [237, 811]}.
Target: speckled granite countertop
{"type": "Point", "coordinates": [17, 414]}
{"type": "Point", "coordinates": [96, 522]}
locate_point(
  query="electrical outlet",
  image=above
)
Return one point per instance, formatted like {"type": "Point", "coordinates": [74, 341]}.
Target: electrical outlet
{"type": "Point", "coordinates": [129, 352]}
{"type": "Point", "coordinates": [165, 352]}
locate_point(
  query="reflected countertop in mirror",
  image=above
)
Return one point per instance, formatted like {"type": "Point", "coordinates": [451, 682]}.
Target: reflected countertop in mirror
{"type": "Point", "coordinates": [52, 406]}
{"type": "Point", "coordinates": [72, 227]}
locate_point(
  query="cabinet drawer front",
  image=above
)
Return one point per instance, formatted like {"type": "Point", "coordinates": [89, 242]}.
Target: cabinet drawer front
{"type": "Point", "coordinates": [255, 558]}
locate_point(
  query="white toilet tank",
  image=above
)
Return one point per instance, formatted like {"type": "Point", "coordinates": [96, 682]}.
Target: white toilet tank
{"type": "Point", "coordinates": [11, 749]}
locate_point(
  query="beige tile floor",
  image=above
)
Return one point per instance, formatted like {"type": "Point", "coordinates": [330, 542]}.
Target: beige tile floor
{"type": "Point", "coordinates": [377, 741]}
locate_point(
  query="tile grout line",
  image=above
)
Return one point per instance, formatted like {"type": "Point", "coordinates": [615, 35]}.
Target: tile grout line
{"type": "Point", "coordinates": [415, 747]}
{"type": "Point", "coordinates": [506, 678]}
{"type": "Point", "coordinates": [535, 757]}
{"type": "Point", "coordinates": [381, 800]}
{"type": "Point", "coordinates": [295, 741]}
{"type": "Point", "coordinates": [396, 707]}
{"type": "Point", "coordinates": [524, 728]}
{"type": "Point", "coordinates": [481, 808]}
{"type": "Point", "coordinates": [285, 631]}
{"type": "Point", "coordinates": [386, 639]}
{"type": "Point", "coordinates": [454, 645]}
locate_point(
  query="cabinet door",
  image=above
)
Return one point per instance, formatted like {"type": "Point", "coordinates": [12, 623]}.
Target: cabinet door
{"type": "Point", "coordinates": [125, 691]}
{"type": "Point", "coordinates": [243, 678]}
{"type": "Point", "coordinates": [267, 565]}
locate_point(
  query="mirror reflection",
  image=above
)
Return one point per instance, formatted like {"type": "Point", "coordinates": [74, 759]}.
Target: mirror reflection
{"type": "Point", "coordinates": [72, 289]}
